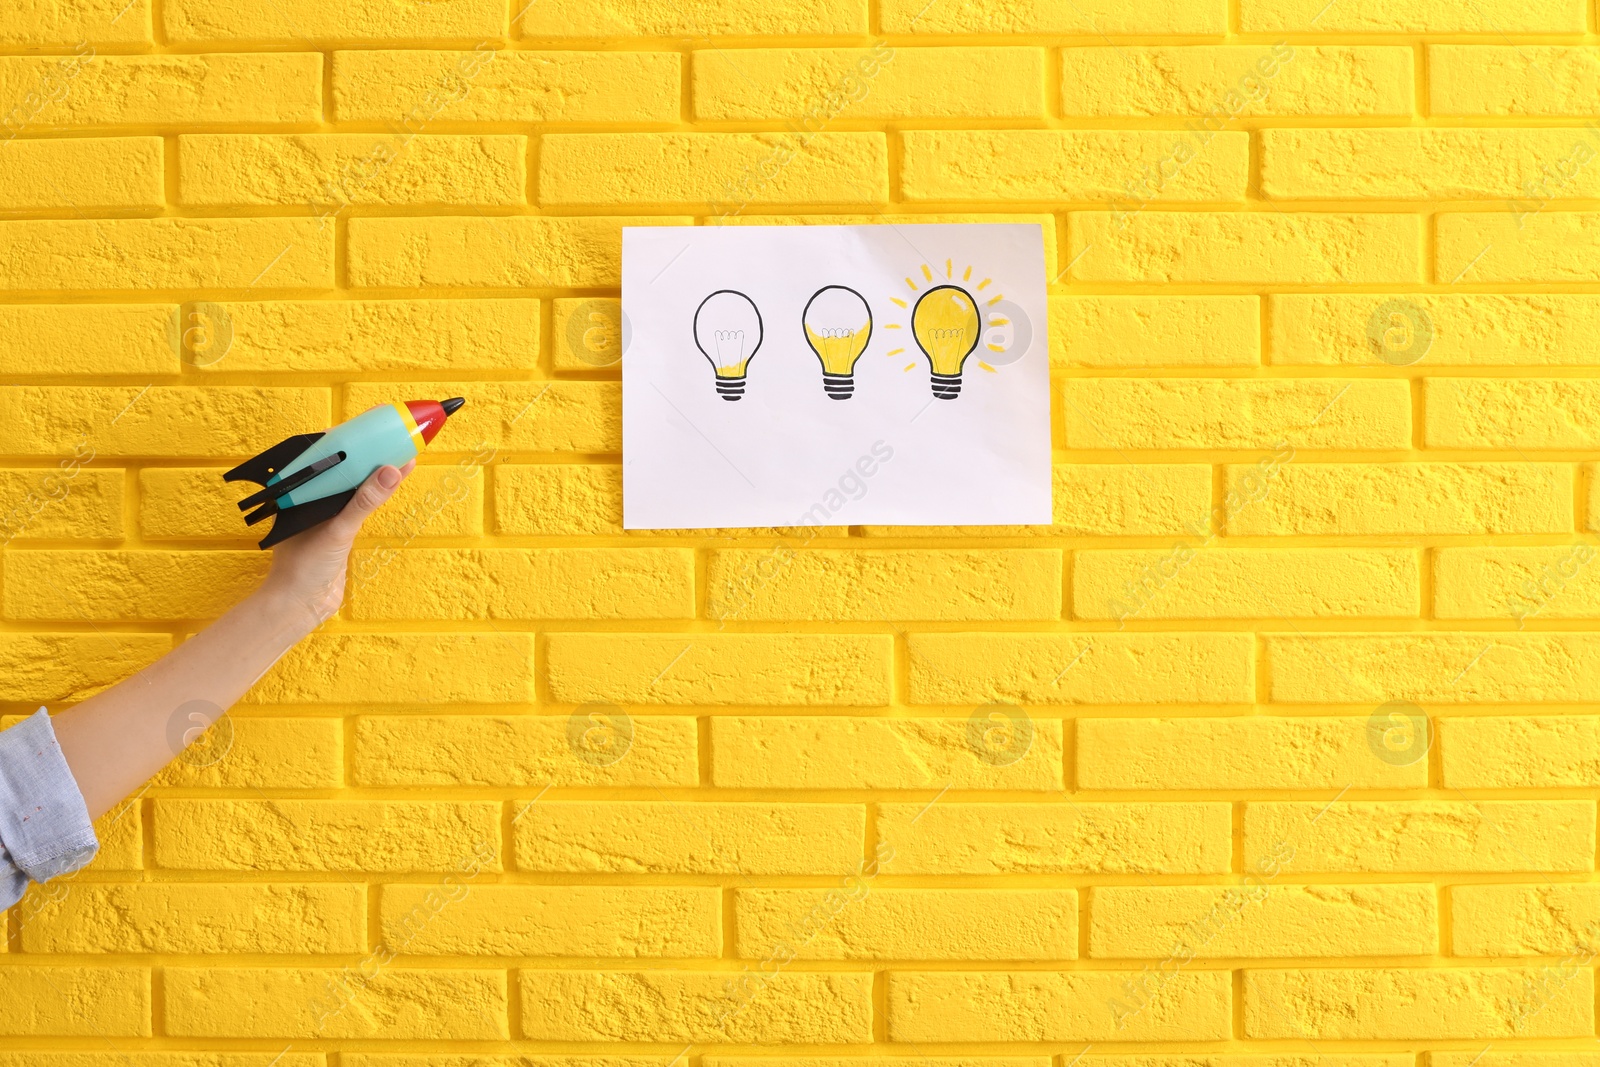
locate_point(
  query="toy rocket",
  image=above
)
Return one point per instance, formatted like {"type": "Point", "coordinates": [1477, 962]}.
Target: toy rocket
{"type": "Point", "coordinates": [309, 478]}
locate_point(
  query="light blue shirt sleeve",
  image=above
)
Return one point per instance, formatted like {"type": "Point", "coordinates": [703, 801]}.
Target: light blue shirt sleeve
{"type": "Point", "coordinates": [44, 823]}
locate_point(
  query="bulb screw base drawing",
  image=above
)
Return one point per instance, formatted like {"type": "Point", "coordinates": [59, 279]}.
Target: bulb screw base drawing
{"type": "Point", "coordinates": [946, 386]}
{"type": "Point", "coordinates": [839, 386]}
{"type": "Point", "coordinates": [730, 388]}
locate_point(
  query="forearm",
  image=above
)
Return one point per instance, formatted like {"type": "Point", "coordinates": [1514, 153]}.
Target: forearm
{"type": "Point", "coordinates": [118, 739]}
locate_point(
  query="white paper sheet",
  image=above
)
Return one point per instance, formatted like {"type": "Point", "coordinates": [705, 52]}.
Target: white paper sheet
{"type": "Point", "coordinates": [801, 444]}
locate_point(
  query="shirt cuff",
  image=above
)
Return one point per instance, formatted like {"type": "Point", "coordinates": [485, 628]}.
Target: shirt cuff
{"type": "Point", "coordinates": [44, 822]}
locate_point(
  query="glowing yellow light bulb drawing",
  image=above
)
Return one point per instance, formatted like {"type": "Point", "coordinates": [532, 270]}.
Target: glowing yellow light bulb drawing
{"type": "Point", "coordinates": [727, 330]}
{"type": "Point", "coordinates": [838, 325]}
{"type": "Point", "coordinates": [947, 327]}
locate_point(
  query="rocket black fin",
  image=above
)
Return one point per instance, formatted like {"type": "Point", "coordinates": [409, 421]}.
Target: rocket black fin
{"type": "Point", "coordinates": [294, 481]}
{"type": "Point", "coordinates": [273, 460]}
{"type": "Point", "coordinates": [302, 517]}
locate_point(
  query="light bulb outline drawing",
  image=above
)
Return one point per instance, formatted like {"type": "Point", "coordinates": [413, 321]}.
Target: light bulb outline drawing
{"type": "Point", "coordinates": [950, 327]}
{"type": "Point", "coordinates": [723, 340]}
{"type": "Point", "coordinates": [837, 348]}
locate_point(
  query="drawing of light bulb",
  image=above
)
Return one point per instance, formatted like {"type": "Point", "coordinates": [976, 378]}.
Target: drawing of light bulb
{"type": "Point", "coordinates": [838, 325]}
{"type": "Point", "coordinates": [727, 330]}
{"type": "Point", "coordinates": [946, 325]}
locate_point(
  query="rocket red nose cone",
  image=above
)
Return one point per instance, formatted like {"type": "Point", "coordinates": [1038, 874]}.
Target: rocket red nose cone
{"type": "Point", "coordinates": [429, 415]}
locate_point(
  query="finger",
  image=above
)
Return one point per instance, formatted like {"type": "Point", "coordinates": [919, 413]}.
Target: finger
{"type": "Point", "coordinates": [378, 487]}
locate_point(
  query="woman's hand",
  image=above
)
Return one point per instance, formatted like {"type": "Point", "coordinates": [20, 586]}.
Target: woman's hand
{"type": "Point", "coordinates": [309, 569]}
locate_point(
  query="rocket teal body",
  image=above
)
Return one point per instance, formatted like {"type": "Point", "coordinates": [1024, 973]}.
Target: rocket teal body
{"type": "Point", "coordinates": [371, 440]}
{"type": "Point", "coordinates": [309, 478]}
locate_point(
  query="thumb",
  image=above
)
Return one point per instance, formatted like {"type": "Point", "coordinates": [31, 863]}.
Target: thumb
{"type": "Point", "coordinates": [379, 487]}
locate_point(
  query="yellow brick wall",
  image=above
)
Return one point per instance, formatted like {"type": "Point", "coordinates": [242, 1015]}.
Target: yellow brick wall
{"type": "Point", "coordinates": [1277, 749]}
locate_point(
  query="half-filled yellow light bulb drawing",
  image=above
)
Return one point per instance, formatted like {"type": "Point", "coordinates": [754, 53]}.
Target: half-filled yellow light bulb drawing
{"type": "Point", "coordinates": [838, 325]}
{"type": "Point", "coordinates": [948, 322]}
{"type": "Point", "coordinates": [727, 330]}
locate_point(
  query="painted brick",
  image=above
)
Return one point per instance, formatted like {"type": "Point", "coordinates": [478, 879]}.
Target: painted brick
{"type": "Point", "coordinates": [160, 1059]}
{"type": "Point", "coordinates": [1418, 1004]}
{"type": "Point", "coordinates": [298, 1002]}
{"type": "Point", "coordinates": [120, 254]}
{"type": "Point", "coordinates": [1099, 499]}
{"type": "Point", "coordinates": [516, 583]}
{"type": "Point", "coordinates": [586, 334]}
{"type": "Point", "coordinates": [261, 88]}
{"type": "Point", "coordinates": [694, 169]}
{"type": "Point", "coordinates": [529, 920]}
{"type": "Point", "coordinates": [415, 88]}
{"type": "Point", "coordinates": [194, 503]}
{"type": "Point", "coordinates": [60, 502]}
{"type": "Point", "coordinates": [1209, 583]}
{"type": "Point", "coordinates": [329, 172]}
{"type": "Point", "coordinates": [322, 835]}
{"type": "Point", "coordinates": [1066, 838]}
{"type": "Point", "coordinates": [44, 24]}
{"type": "Point", "coordinates": [503, 417]}
{"type": "Point", "coordinates": [1483, 329]}
{"type": "Point", "coordinates": [737, 215]}
{"type": "Point", "coordinates": [67, 667]}
{"type": "Point", "coordinates": [1520, 752]}
{"type": "Point", "coordinates": [82, 174]}
{"type": "Point", "coordinates": [517, 252]}
{"type": "Point", "coordinates": [807, 1009]}
{"type": "Point", "coordinates": [89, 1002]}
{"type": "Point", "coordinates": [1246, 247]}
{"type": "Point", "coordinates": [1243, 752]}
{"type": "Point", "coordinates": [558, 500]}
{"type": "Point", "coordinates": [265, 20]}
{"type": "Point", "coordinates": [1435, 668]}
{"type": "Point", "coordinates": [1046, 165]}
{"type": "Point", "coordinates": [1236, 413]}
{"type": "Point", "coordinates": [1229, 82]}
{"type": "Point", "coordinates": [1511, 413]}
{"type": "Point", "coordinates": [569, 499]}
{"type": "Point", "coordinates": [878, 83]}
{"type": "Point", "coordinates": [741, 18]}
{"type": "Point", "coordinates": [66, 339]}
{"type": "Point", "coordinates": [526, 750]}
{"type": "Point", "coordinates": [251, 753]}
{"type": "Point", "coordinates": [1208, 17]}
{"type": "Point", "coordinates": [1408, 16]}
{"type": "Point", "coordinates": [843, 585]}
{"type": "Point", "coordinates": [1513, 79]}
{"type": "Point", "coordinates": [1424, 835]}
{"type": "Point", "coordinates": [121, 834]}
{"type": "Point", "coordinates": [1406, 498]}
{"type": "Point", "coordinates": [909, 924]}
{"type": "Point", "coordinates": [1103, 668]}
{"type": "Point", "coordinates": [1258, 921]}
{"type": "Point", "coordinates": [378, 335]}
{"type": "Point", "coordinates": [1418, 164]}
{"type": "Point", "coordinates": [202, 919]}
{"type": "Point", "coordinates": [376, 668]}
{"type": "Point", "coordinates": [1523, 920]}
{"type": "Point", "coordinates": [1516, 583]}
{"type": "Point", "coordinates": [664, 837]}
{"type": "Point", "coordinates": [81, 421]}
{"type": "Point", "coordinates": [1053, 1006]}
{"type": "Point", "coordinates": [1155, 331]}
{"type": "Point", "coordinates": [1517, 245]}
{"type": "Point", "coordinates": [697, 669]}
{"type": "Point", "coordinates": [85, 584]}
{"type": "Point", "coordinates": [836, 752]}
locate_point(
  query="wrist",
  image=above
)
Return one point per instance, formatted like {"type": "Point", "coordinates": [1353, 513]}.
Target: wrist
{"type": "Point", "coordinates": [288, 617]}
